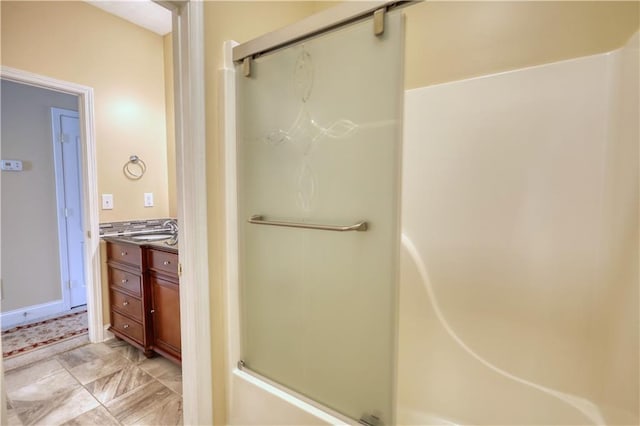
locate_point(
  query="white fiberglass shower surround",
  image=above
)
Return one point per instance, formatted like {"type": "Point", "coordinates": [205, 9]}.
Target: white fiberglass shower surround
{"type": "Point", "coordinates": [519, 275]}
{"type": "Point", "coordinates": [514, 253]}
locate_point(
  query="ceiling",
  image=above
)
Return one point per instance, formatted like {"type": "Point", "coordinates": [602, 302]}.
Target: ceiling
{"type": "Point", "coordinates": [144, 13]}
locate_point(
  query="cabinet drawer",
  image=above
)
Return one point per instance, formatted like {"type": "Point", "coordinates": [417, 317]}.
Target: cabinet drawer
{"type": "Point", "coordinates": [126, 304]}
{"type": "Point", "coordinates": [124, 325]}
{"type": "Point", "coordinates": [125, 253]}
{"type": "Point", "coordinates": [163, 261]}
{"type": "Point", "coordinates": [124, 280]}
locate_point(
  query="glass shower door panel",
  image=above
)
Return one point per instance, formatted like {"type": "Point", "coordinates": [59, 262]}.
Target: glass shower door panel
{"type": "Point", "coordinates": [319, 142]}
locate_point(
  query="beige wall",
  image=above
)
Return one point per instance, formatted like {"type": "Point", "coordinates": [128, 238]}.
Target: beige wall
{"type": "Point", "coordinates": [449, 41]}
{"type": "Point", "coordinates": [30, 260]}
{"type": "Point", "coordinates": [124, 64]}
{"type": "Point", "coordinates": [171, 129]}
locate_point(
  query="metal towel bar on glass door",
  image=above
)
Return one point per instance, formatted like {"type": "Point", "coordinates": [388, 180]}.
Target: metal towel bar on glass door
{"type": "Point", "coordinates": [260, 220]}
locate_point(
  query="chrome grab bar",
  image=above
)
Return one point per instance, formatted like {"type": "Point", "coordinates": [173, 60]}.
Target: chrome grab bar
{"type": "Point", "coordinates": [260, 220]}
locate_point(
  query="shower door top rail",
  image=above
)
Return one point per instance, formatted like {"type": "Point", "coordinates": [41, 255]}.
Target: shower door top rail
{"type": "Point", "coordinates": [318, 23]}
{"type": "Point", "coordinates": [260, 220]}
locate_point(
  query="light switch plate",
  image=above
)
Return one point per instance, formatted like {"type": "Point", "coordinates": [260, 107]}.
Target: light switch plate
{"type": "Point", "coordinates": [107, 201]}
{"type": "Point", "coordinates": [148, 199]}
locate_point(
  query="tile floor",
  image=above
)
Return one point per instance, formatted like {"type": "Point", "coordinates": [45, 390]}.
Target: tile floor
{"type": "Point", "coordinates": [108, 383]}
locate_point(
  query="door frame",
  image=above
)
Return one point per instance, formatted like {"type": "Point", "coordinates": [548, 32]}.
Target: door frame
{"type": "Point", "coordinates": [195, 316]}
{"type": "Point", "coordinates": [195, 312]}
{"type": "Point", "coordinates": [89, 185]}
{"type": "Point", "coordinates": [61, 191]}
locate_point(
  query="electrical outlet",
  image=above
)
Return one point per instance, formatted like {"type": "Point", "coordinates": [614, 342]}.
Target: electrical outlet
{"type": "Point", "coordinates": [107, 201]}
{"type": "Point", "coordinates": [11, 165]}
{"type": "Point", "coordinates": [148, 199]}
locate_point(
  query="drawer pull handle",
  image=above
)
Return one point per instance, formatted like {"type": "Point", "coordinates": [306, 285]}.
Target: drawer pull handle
{"type": "Point", "coordinates": [153, 310]}
{"type": "Point", "coordinates": [166, 262]}
{"type": "Point", "coordinates": [125, 326]}
{"type": "Point", "coordinates": [124, 281]}
{"type": "Point", "coordinates": [125, 303]}
{"type": "Point", "coordinates": [124, 253]}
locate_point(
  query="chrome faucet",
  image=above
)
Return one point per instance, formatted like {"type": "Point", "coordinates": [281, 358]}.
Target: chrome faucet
{"type": "Point", "coordinates": [171, 225]}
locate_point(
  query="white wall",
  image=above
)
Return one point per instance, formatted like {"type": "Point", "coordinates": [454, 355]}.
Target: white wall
{"type": "Point", "coordinates": [30, 254]}
{"type": "Point", "coordinates": [506, 197]}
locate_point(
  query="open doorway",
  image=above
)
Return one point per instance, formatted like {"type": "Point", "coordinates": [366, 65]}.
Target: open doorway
{"type": "Point", "coordinates": [191, 209]}
{"type": "Point", "coordinates": [43, 238]}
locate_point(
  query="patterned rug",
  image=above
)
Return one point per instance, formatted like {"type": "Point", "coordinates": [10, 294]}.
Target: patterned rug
{"type": "Point", "coordinates": [25, 338]}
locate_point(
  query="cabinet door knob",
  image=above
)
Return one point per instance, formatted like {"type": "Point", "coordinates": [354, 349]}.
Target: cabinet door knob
{"type": "Point", "coordinates": [124, 281]}
{"type": "Point", "coordinates": [125, 326]}
{"type": "Point", "coordinates": [125, 303]}
{"type": "Point", "coordinates": [153, 310]}
{"type": "Point", "coordinates": [123, 253]}
{"type": "Point", "coordinates": [166, 262]}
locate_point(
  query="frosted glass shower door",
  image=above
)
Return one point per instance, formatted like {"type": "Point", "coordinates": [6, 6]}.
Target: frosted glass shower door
{"type": "Point", "coordinates": [318, 127]}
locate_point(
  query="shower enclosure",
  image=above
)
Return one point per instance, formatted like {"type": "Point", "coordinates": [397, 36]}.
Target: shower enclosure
{"type": "Point", "coordinates": [318, 145]}
{"type": "Point", "coordinates": [509, 235]}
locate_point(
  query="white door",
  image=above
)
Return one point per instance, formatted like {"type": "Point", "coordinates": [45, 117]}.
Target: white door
{"type": "Point", "coordinates": [67, 155]}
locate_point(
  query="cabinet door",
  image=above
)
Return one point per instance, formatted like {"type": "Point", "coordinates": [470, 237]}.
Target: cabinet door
{"type": "Point", "coordinates": [166, 315]}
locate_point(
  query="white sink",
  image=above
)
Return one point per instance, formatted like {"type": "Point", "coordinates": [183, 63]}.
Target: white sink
{"type": "Point", "coordinates": [152, 237]}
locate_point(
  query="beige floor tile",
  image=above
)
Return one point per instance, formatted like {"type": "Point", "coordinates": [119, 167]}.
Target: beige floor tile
{"type": "Point", "coordinates": [12, 417]}
{"type": "Point", "coordinates": [56, 408]}
{"type": "Point", "coordinates": [116, 384]}
{"type": "Point", "coordinates": [84, 354]}
{"type": "Point", "coordinates": [49, 392]}
{"type": "Point", "coordinates": [173, 380]}
{"type": "Point", "coordinates": [99, 416]}
{"type": "Point", "coordinates": [46, 387]}
{"type": "Point", "coordinates": [141, 402]}
{"type": "Point", "coordinates": [45, 393]}
{"type": "Point", "coordinates": [159, 366]}
{"type": "Point", "coordinates": [99, 367]}
{"type": "Point", "coordinates": [128, 351]}
{"type": "Point", "coordinates": [169, 414]}
{"type": "Point", "coordinates": [23, 376]}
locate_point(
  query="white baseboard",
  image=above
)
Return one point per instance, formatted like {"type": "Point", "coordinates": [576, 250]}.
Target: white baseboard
{"type": "Point", "coordinates": [31, 313]}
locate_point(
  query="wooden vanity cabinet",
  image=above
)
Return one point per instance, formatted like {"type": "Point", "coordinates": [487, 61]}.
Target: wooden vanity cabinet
{"type": "Point", "coordinates": [128, 295]}
{"type": "Point", "coordinates": [165, 302]}
{"type": "Point", "coordinates": [144, 298]}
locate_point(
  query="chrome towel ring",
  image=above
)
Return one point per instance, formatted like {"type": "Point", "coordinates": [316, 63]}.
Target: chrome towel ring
{"type": "Point", "coordinates": [134, 168]}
